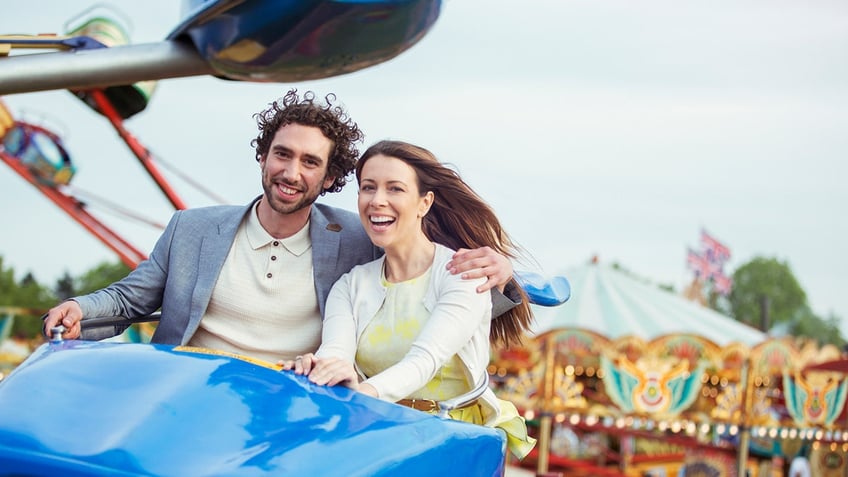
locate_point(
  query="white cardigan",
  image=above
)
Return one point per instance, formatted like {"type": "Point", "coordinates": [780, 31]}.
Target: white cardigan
{"type": "Point", "coordinates": [458, 325]}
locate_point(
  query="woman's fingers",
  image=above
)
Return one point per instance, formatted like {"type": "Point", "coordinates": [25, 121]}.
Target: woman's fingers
{"type": "Point", "coordinates": [332, 371]}
{"type": "Point", "coordinates": [301, 364]}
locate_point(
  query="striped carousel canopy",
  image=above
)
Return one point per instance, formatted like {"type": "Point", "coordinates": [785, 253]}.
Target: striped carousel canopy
{"type": "Point", "coordinates": [614, 303]}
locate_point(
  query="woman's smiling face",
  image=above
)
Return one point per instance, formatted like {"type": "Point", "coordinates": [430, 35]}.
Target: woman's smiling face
{"type": "Point", "coordinates": [390, 204]}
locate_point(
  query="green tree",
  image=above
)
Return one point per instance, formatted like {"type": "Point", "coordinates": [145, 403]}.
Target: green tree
{"type": "Point", "coordinates": [65, 287]}
{"type": "Point", "coordinates": [7, 284]}
{"type": "Point", "coordinates": [101, 276]}
{"type": "Point", "coordinates": [823, 330]}
{"type": "Point", "coordinates": [36, 297]}
{"type": "Point", "coordinates": [766, 285]}
{"type": "Point", "coordinates": [28, 295]}
{"type": "Point", "coordinates": [766, 293]}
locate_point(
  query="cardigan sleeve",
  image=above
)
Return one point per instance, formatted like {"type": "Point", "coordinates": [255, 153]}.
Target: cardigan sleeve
{"type": "Point", "coordinates": [338, 337]}
{"type": "Point", "coordinates": [459, 312]}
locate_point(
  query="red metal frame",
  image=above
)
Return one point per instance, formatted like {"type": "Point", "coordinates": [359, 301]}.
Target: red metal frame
{"type": "Point", "coordinates": [130, 255]}
{"type": "Point", "coordinates": [105, 107]}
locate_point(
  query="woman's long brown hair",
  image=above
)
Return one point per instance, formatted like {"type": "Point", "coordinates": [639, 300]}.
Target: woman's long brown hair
{"type": "Point", "coordinates": [459, 218]}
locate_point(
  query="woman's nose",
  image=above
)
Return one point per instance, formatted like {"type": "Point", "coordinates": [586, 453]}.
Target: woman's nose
{"type": "Point", "coordinates": [379, 197]}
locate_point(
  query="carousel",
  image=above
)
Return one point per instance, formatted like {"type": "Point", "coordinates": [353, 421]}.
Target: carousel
{"type": "Point", "coordinates": [631, 379]}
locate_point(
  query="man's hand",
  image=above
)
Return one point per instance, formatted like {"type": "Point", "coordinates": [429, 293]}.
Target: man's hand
{"type": "Point", "coordinates": [67, 313]}
{"type": "Point", "coordinates": [482, 262]}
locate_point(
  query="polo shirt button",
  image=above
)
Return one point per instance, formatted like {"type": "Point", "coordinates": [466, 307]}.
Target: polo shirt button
{"type": "Point", "coordinates": [269, 275]}
{"type": "Point", "coordinates": [273, 257]}
{"type": "Point", "coordinates": [276, 243]}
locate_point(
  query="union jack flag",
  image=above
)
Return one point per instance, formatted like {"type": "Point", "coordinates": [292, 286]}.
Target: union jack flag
{"type": "Point", "coordinates": [704, 268]}
{"type": "Point", "coordinates": [714, 250]}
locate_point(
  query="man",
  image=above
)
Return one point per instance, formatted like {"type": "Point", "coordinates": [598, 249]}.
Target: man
{"type": "Point", "coordinates": [253, 279]}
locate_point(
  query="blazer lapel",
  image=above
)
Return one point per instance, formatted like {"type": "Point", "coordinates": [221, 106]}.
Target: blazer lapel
{"type": "Point", "coordinates": [213, 253]}
{"type": "Point", "coordinates": [326, 244]}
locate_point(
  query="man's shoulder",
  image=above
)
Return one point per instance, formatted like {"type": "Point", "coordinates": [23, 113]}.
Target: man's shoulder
{"type": "Point", "coordinates": [338, 215]}
{"type": "Point", "coordinates": [330, 212]}
{"type": "Point", "coordinates": [212, 212]}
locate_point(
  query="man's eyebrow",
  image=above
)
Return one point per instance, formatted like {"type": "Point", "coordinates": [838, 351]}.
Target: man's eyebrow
{"type": "Point", "coordinates": [318, 159]}
{"type": "Point", "coordinates": [282, 148]}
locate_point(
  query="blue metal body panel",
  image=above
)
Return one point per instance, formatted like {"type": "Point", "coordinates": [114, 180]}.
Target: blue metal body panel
{"type": "Point", "coordinates": [297, 40]}
{"type": "Point", "coordinates": [97, 408]}
{"type": "Point", "coordinates": [544, 291]}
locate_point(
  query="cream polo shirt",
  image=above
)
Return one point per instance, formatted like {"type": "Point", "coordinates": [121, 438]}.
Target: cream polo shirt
{"type": "Point", "coordinates": [264, 303]}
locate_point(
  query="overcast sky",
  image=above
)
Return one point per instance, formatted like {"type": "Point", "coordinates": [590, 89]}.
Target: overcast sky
{"type": "Point", "coordinates": [615, 128]}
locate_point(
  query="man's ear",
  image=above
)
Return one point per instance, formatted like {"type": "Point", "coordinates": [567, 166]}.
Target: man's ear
{"type": "Point", "coordinates": [328, 182]}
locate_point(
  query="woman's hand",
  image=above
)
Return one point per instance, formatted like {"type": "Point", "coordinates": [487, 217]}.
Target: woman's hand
{"type": "Point", "coordinates": [323, 371]}
{"type": "Point", "coordinates": [332, 371]}
{"type": "Point", "coordinates": [300, 365]}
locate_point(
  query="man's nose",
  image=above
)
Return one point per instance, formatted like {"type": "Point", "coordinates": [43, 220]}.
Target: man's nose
{"type": "Point", "coordinates": [291, 171]}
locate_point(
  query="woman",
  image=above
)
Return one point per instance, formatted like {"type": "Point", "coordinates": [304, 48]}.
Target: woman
{"type": "Point", "coordinates": [403, 323]}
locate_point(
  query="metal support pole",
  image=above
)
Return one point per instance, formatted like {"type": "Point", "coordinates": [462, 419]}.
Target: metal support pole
{"type": "Point", "coordinates": [545, 423]}
{"type": "Point", "coordinates": [744, 427]}
{"type": "Point", "coordinates": [87, 69]}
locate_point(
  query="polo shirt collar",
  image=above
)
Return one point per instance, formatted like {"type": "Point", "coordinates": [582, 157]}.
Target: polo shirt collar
{"type": "Point", "coordinates": [258, 237]}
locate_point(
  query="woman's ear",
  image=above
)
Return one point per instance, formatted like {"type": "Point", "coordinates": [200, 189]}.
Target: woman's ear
{"type": "Point", "coordinates": [425, 203]}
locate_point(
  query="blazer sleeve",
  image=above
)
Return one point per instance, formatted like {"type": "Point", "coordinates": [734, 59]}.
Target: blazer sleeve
{"type": "Point", "coordinates": [139, 293]}
{"type": "Point", "coordinates": [459, 312]}
{"type": "Point", "coordinates": [503, 302]}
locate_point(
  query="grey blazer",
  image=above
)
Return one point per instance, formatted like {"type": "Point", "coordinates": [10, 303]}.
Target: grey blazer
{"type": "Point", "coordinates": [181, 272]}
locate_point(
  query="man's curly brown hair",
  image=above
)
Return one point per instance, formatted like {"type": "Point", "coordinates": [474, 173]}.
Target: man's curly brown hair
{"type": "Point", "coordinates": [331, 119]}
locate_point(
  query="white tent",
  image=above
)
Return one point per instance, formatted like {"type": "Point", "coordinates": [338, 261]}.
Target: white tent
{"type": "Point", "coordinates": [614, 303]}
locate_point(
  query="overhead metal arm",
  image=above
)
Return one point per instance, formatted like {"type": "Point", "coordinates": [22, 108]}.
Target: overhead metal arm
{"type": "Point", "coordinates": [86, 69]}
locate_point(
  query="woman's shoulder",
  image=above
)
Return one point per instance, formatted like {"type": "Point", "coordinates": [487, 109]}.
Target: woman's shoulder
{"type": "Point", "coordinates": [444, 255]}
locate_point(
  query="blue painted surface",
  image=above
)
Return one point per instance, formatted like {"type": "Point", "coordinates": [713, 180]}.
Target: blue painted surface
{"type": "Point", "coordinates": [544, 291]}
{"type": "Point", "coordinates": [97, 408]}
{"type": "Point", "coordinates": [296, 40]}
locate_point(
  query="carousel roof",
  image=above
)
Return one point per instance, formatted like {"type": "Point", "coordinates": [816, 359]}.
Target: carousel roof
{"type": "Point", "coordinates": [614, 303]}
